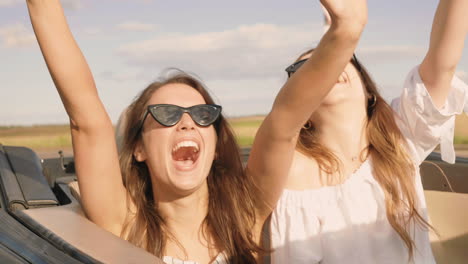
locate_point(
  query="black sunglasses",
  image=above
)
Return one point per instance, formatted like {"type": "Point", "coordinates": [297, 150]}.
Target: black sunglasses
{"type": "Point", "coordinates": [168, 115]}
{"type": "Point", "coordinates": [295, 66]}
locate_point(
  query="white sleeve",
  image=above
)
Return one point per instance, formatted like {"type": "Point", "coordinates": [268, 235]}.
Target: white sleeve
{"type": "Point", "coordinates": [425, 126]}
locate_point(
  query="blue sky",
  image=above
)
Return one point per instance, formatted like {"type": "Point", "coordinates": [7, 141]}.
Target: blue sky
{"type": "Point", "coordinates": [238, 48]}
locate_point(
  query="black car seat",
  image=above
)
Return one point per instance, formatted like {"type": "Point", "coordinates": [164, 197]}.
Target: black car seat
{"type": "Point", "coordinates": [22, 181]}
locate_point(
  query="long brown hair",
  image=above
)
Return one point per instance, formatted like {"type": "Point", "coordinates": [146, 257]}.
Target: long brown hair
{"type": "Point", "coordinates": [393, 168]}
{"type": "Point", "coordinates": [231, 211]}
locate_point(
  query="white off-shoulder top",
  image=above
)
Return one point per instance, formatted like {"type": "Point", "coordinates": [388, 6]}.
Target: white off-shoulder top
{"type": "Point", "coordinates": [347, 223]}
{"type": "Point", "coordinates": [220, 259]}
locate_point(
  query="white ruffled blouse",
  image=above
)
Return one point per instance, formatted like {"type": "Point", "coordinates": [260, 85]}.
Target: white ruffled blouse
{"type": "Point", "coordinates": [347, 223]}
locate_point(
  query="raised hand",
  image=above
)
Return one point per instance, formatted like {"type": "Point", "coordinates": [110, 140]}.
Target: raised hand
{"type": "Point", "coordinates": [351, 12]}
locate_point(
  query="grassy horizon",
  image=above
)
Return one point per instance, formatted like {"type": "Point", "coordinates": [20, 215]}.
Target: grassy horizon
{"type": "Point", "coordinates": [54, 137]}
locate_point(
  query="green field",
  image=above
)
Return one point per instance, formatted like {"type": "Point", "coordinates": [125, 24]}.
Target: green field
{"type": "Point", "coordinates": [245, 129]}
{"type": "Point", "coordinates": [57, 137]}
{"type": "Point", "coordinates": [39, 138]}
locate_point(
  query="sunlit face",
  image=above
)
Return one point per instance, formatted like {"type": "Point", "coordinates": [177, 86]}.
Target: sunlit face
{"type": "Point", "coordinates": [348, 87]}
{"type": "Point", "coordinates": [179, 158]}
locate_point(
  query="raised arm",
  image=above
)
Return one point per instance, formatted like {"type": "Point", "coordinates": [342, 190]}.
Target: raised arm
{"type": "Point", "coordinates": [275, 142]}
{"type": "Point", "coordinates": [97, 167]}
{"type": "Point", "coordinates": [449, 30]}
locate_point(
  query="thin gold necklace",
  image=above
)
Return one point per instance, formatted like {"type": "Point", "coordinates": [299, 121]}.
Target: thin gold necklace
{"type": "Point", "coordinates": [354, 158]}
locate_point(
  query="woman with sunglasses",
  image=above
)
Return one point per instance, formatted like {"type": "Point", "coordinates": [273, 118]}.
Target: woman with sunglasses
{"type": "Point", "coordinates": [178, 188]}
{"type": "Point", "coordinates": [354, 192]}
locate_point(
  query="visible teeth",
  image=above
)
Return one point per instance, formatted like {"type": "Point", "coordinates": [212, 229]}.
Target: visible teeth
{"type": "Point", "coordinates": [187, 143]}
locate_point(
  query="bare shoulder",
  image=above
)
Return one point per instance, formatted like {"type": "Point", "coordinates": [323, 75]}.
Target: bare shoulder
{"type": "Point", "coordinates": [304, 173]}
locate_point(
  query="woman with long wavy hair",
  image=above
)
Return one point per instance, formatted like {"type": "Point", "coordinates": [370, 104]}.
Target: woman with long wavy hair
{"type": "Point", "coordinates": [178, 188]}
{"type": "Point", "coordinates": [354, 192]}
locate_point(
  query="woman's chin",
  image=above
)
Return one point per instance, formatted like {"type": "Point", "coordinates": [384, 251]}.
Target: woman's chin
{"type": "Point", "coordinates": [187, 181]}
{"type": "Point", "coordinates": [187, 189]}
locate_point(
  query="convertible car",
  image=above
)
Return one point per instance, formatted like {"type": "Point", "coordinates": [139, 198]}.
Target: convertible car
{"type": "Point", "coordinates": [41, 220]}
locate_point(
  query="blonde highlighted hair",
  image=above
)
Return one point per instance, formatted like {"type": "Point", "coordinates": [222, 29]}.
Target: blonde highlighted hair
{"type": "Point", "coordinates": [393, 168]}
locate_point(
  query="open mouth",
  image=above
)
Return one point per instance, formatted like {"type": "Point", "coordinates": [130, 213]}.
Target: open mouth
{"type": "Point", "coordinates": [185, 153]}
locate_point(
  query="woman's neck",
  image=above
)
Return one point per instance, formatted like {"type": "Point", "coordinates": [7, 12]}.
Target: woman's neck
{"type": "Point", "coordinates": [185, 214]}
{"type": "Point", "coordinates": [184, 218]}
{"type": "Point", "coordinates": [342, 128]}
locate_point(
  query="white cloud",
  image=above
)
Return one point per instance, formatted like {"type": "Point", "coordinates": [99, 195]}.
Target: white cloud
{"type": "Point", "coordinates": [121, 76]}
{"type": "Point", "coordinates": [17, 35]}
{"type": "Point", "coordinates": [408, 49]}
{"type": "Point", "coordinates": [136, 26]}
{"type": "Point", "coordinates": [391, 52]}
{"type": "Point", "coordinates": [92, 31]}
{"type": "Point", "coordinates": [249, 51]}
{"type": "Point", "coordinates": [6, 3]}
